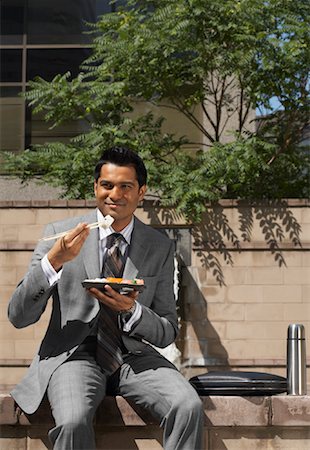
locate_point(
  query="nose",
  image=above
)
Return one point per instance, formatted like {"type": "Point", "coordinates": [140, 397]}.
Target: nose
{"type": "Point", "coordinates": [116, 193]}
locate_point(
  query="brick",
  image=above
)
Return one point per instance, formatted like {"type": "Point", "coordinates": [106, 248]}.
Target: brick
{"type": "Point", "coordinates": [244, 294]}
{"type": "Point", "coordinates": [25, 349]}
{"type": "Point", "coordinates": [225, 312]}
{"type": "Point", "coordinates": [255, 348]}
{"type": "Point", "coordinates": [264, 312]}
{"type": "Point", "coordinates": [11, 375]}
{"type": "Point", "coordinates": [14, 258]}
{"type": "Point", "coordinates": [9, 332]}
{"type": "Point", "coordinates": [305, 259]}
{"type": "Point", "coordinates": [9, 233]}
{"type": "Point", "coordinates": [8, 276]}
{"type": "Point", "coordinates": [199, 352]}
{"type": "Point", "coordinates": [291, 411]}
{"type": "Point", "coordinates": [204, 329]}
{"type": "Point", "coordinates": [305, 215]}
{"type": "Point", "coordinates": [214, 294]}
{"type": "Point", "coordinates": [3, 312]}
{"type": "Point", "coordinates": [40, 329]}
{"type": "Point", "coordinates": [7, 348]}
{"type": "Point", "coordinates": [45, 216]}
{"type": "Point", "coordinates": [195, 311]}
{"type": "Point", "coordinates": [297, 312]}
{"type": "Point", "coordinates": [11, 217]}
{"type": "Point", "coordinates": [265, 276]}
{"type": "Point", "coordinates": [283, 294]}
{"type": "Point", "coordinates": [305, 293]}
{"type": "Point", "coordinates": [6, 293]}
{"type": "Point", "coordinates": [30, 234]}
{"type": "Point", "coordinates": [297, 275]}
{"type": "Point", "coordinates": [235, 275]}
{"type": "Point", "coordinates": [39, 203]}
{"type": "Point", "coordinates": [305, 232]}
{"type": "Point", "coordinates": [259, 330]}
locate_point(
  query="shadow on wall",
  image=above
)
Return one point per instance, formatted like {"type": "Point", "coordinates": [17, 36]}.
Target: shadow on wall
{"type": "Point", "coordinates": [215, 240]}
{"type": "Point", "coordinates": [199, 342]}
{"type": "Point", "coordinates": [214, 237]}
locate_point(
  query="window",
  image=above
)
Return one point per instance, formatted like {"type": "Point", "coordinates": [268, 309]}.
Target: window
{"type": "Point", "coordinates": [40, 38]}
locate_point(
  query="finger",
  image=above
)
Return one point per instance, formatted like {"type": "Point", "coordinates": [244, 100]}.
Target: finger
{"type": "Point", "coordinates": [133, 294]}
{"type": "Point", "coordinates": [77, 239]}
{"type": "Point", "coordinates": [106, 299]}
{"type": "Point", "coordinates": [112, 292]}
{"type": "Point", "coordinates": [79, 230]}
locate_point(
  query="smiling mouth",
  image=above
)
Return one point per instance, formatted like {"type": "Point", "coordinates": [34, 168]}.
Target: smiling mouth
{"type": "Point", "coordinates": [114, 205]}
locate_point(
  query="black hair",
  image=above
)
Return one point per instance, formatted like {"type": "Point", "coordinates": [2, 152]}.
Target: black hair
{"type": "Point", "coordinates": [122, 156]}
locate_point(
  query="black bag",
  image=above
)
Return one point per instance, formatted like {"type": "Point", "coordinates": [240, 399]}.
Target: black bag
{"type": "Point", "coordinates": [239, 383]}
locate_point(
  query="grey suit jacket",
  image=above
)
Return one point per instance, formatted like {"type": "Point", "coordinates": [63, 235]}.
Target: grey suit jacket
{"type": "Point", "coordinates": [75, 312]}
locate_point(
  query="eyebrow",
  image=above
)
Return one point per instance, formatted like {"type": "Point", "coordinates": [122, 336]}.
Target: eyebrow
{"type": "Point", "coordinates": [121, 182]}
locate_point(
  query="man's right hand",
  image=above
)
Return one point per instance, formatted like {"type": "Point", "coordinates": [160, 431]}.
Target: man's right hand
{"type": "Point", "coordinates": [68, 247]}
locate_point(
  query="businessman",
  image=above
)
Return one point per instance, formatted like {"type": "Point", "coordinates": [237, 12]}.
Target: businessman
{"type": "Point", "coordinates": [103, 338]}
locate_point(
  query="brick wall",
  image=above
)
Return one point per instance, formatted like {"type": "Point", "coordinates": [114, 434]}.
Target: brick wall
{"type": "Point", "coordinates": [248, 280]}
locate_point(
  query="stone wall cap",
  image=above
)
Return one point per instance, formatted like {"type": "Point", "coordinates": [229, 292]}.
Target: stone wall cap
{"type": "Point", "coordinates": [220, 411]}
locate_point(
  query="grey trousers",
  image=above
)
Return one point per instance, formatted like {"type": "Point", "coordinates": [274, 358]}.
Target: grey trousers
{"type": "Point", "coordinates": [77, 387]}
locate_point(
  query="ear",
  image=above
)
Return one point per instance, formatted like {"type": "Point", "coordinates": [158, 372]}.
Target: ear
{"type": "Point", "coordinates": [95, 188]}
{"type": "Point", "coordinates": [142, 191]}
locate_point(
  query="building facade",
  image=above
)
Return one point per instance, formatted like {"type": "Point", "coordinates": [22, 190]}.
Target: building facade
{"type": "Point", "coordinates": [40, 38]}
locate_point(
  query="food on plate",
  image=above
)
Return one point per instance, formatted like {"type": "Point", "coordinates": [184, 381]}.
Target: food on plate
{"type": "Point", "coordinates": [122, 280]}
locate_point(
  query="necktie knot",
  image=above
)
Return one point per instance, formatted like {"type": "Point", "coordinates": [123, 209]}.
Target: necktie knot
{"type": "Point", "coordinates": [113, 265]}
{"type": "Point", "coordinates": [114, 239]}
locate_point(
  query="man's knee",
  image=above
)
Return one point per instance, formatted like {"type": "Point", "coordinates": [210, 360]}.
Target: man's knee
{"type": "Point", "coordinates": [189, 404]}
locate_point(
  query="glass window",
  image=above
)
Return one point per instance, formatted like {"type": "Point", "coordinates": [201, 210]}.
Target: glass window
{"type": "Point", "coordinates": [38, 131]}
{"type": "Point", "coordinates": [10, 91]}
{"type": "Point", "coordinates": [12, 21]}
{"type": "Point", "coordinates": [12, 123]}
{"type": "Point", "coordinates": [47, 63]}
{"type": "Point", "coordinates": [10, 65]}
{"type": "Point", "coordinates": [59, 21]}
{"type": "Point", "coordinates": [103, 7]}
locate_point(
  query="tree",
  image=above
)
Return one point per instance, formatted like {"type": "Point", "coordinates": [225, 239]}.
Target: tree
{"type": "Point", "coordinates": [227, 58]}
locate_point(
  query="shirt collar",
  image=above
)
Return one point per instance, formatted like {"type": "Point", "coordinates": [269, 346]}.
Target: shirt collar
{"type": "Point", "coordinates": [105, 232]}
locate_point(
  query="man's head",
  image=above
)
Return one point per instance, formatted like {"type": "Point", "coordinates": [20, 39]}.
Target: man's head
{"type": "Point", "coordinates": [120, 184]}
{"type": "Point", "coordinates": [123, 156]}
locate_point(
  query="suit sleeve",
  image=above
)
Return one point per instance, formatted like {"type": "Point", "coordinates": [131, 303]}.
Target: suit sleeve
{"type": "Point", "coordinates": [159, 324]}
{"type": "Point", "coordinates": [31, 295]}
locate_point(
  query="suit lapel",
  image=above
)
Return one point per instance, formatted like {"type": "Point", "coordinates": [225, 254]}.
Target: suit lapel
{"type": "Point", "coordinates": [137, 251]}
{"type": "Point", "coordinates": [91, 250]}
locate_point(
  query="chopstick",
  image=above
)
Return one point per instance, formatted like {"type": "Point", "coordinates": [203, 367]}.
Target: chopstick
{"type": "Point", "coordinates": [108, 220]}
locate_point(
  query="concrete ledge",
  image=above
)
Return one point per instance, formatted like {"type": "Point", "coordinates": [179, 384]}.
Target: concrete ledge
{"type": "Point", "coordinates": [220, 411]}
{"type": "Point", "coordinates": [231, 423]}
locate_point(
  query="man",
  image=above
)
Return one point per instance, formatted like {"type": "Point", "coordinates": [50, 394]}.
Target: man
{"type": "Point", "coordinates": [99, 337]}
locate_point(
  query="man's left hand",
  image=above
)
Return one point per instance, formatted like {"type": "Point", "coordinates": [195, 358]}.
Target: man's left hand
{"type": "Point", "coordinates": [113, 299]}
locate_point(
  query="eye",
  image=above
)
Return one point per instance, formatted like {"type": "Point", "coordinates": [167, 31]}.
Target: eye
{"type": "Point", "coordinates": [126, 187]}
{"type": "Point", "coordinates": [106, 185]}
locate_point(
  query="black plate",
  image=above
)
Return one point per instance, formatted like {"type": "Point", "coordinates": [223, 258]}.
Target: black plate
{"type": "Point", "coordinates": [120, 287]}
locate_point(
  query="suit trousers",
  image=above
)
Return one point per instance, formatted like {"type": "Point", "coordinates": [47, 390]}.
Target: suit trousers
{"type": "Point", "coordinates": [78, 386]}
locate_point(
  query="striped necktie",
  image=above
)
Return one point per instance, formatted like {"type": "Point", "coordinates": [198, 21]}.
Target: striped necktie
{"type": "Point", "coordinates": [109, 342]}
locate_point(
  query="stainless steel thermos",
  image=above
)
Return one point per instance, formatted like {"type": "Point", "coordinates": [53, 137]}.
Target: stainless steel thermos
{"type": "Point", "coordinates": [296, 360]}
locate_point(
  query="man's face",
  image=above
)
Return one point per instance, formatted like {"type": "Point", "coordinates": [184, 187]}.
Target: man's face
{"type": "Point", "coordinates": [118, 194]}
